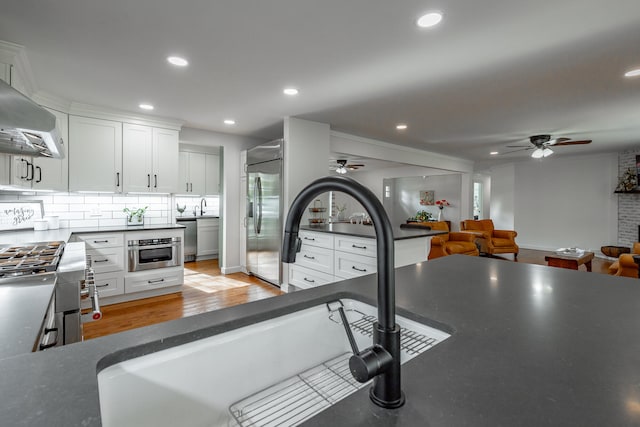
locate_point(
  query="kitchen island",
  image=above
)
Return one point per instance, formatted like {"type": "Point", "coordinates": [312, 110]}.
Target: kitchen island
{"type": "Point", "coordinates": [530, 345]}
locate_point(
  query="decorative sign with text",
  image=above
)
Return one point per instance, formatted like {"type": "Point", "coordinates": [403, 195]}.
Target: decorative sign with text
{"type": "Point", "coordinates": [19, 214]}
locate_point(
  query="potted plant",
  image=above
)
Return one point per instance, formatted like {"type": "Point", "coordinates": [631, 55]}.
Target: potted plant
{"type": "Point", "coordinates": [135, 216]}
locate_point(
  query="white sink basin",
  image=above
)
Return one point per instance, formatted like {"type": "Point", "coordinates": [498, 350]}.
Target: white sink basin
{"type": "Point", "coordinates": [218, 381]}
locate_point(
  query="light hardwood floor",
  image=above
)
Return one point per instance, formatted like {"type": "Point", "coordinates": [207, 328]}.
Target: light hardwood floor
{"type": "Point", "coordinates": [206, 289]}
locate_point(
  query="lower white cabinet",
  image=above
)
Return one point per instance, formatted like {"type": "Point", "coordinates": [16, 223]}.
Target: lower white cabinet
{"type": "Point", "coordinates": [325, 257]}
{"type": "Point", "coordinates": [208, 233]}
{"type": "Point", "coordinates": [110, 284]}
{"type": "Point", "coordinates": [153, 279]}
{"type": "Point", "coordinates": [303, 277]}
{"type": "Point", "coordinates": [348, 265]}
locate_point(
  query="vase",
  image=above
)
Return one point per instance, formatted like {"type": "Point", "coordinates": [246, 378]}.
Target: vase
{"type": "Point", "coordinates": [439, 214]}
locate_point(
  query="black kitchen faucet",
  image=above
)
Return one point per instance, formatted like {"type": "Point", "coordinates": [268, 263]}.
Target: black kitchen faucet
{"type": "Point", "coordinates": [382, 359]}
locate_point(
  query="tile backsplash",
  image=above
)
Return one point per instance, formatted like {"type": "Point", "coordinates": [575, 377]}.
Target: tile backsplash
{"type": "Point", "coordinates": [106, 209]}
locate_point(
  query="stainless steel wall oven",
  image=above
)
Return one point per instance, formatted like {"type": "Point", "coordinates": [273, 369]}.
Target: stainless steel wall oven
{"type": "Point", "coordinates": [148, 254]}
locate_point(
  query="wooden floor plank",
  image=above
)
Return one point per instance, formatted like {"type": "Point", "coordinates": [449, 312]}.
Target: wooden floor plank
{"type": "Point", "coordinates": [206, 289]}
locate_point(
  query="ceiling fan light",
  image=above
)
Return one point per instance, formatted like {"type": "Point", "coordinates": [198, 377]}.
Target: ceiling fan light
{"type": "Point", "coordinates": [547, 152]}
{"type": "Point", "coordinates": [341, 170]}
{"type": "Point", "coordinates": [538, 153]}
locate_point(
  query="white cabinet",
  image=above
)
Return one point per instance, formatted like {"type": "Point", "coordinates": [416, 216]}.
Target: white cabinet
{"type": "Point", "coordinates": [149, 159]}
{"type": "Point", "coordinates": [95, 155]}
{"type": "Point", "coordinates": [192, 173]}
{"type": "Point", "coordinates": [208, 232]}
{"type": "Point", "coordinates": [107, 254]}
{"type": "Point", "coordinates": [53, 174]}
{"type": "Point", "coordinates": [326, 257]}
{"type": "Point", "coordinates": [154, 279]}
{"type": "Point", "coordinates": [212, 174]}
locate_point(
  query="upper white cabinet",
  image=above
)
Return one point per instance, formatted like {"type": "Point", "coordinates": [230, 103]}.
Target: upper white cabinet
{"type": "Point", "coordinates": [192, 173]}
{"type": "Point", "coordinates": [53, 174]}
{"type": "Point", "coordinates": [42, 173]}
{"type": "Point", "coordinates": [149, 159]}
{"type": "Point", "coordinates": [212, 174]}
{"type": "Point", "coordinates": [95, 155]}
{"type": "Point", "coordinates": [199, 173]}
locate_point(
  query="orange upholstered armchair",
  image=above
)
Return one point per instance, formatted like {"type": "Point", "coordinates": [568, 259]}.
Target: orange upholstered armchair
{"type": "Point", "coordinates": [451, 243]}
{"type": "Point", "coordinates": [491, 241]}
{"type": "Point", "coordinates": [625, 265]}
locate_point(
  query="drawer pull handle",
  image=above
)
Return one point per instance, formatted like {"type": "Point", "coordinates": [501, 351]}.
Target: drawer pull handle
{"type": "Point", "coordinates": [309, 280]}
{"type": "Point", "coordinates": [155, 281]}
{"type": "Point", "coordinates": [358, 247]}
{"type": "Point", "coordinates": [359, 269]}
{"type": "Point", "coordinates": [100, 241]}
{"type": "Point", "coordinates": [310, 238]}
{"type": "Point", "coordinates": [101, 260]}
{"type": "Point", "coordinates": [309, 257]}
{"type": "Point", "coordinates": [102, 286]}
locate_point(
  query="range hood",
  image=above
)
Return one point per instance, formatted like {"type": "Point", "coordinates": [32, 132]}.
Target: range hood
{"type": "Point", "coordinates": [26, 128]}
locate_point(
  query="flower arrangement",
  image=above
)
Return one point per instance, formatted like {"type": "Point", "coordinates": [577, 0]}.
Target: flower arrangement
{"type": "Point", "coordinates": [423, 216]}
{"type": "Point", "coordinates": [442, 203]}
{"type": "Point", "coordinates": [628, 181]}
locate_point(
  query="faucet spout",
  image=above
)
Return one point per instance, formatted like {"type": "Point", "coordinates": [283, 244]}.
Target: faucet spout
{"type": "Point", "coordinates": [203, 200]}
{"type": "Point", "coordinates": [382, 360]}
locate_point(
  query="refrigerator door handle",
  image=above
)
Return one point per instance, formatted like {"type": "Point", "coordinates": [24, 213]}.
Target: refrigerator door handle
{"type": "Point", "coordinates": [259, 192]}
{"type": "Point", "coordinates": [254, 205]}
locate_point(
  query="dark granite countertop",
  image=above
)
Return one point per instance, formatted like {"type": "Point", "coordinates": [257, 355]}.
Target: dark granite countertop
{"type": "Point", "coordinates": [23, 236]}
{"type": "Point", "coordinates": [194, 218]}
{"type": "Point", "coordinates": [368, 231]}
{"type": "Point", "coordinates": [23, 305]}
{"type": "Point", "coordinates": [531, 346]}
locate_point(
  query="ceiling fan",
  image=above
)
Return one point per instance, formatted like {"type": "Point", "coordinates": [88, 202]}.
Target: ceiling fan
{"type": "Point", "coordinates": [342, 167]}
{"type": "Point", "coordinates": [541, 145]}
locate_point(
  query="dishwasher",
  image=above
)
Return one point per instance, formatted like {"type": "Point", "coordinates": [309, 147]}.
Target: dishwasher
{"type": "Point", "coordinates": [190, 238]}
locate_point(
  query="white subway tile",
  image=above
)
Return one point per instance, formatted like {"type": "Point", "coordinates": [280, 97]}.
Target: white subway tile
{"type": "Point", "coordinates": [84, 223]}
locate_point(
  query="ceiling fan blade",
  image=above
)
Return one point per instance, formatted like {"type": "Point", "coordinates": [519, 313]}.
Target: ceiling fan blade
{"type": "Point", "coordinates": [557, 141]}
{"type": "Point", "coordinates": [355, 166]}
{"type": "Point", "coordinates": [584, 141]}
{"type": "Point", "coordinates": [515, 151]}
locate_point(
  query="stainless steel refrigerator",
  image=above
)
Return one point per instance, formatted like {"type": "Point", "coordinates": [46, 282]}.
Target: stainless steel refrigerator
{"type": "Point", "coordinates": [264, 211]}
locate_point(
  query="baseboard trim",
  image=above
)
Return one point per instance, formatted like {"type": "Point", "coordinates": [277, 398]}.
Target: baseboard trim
{"type": "Point", "coordinates": [229, 270]}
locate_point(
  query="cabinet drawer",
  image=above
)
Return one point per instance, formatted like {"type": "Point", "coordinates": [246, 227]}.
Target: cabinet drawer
{"type": "Point", "coordinates": [304, 278]}
{"type": "Point", "coordinates": [315, 258]}
{"type": "Point", "coordinates": [355, 245]}
{"type": "Point", "coordinates": [110, 284]}
{"type": "Point", "coordinates": [144, 281]}
{"type": "Point", "coordinates": [107, 259]}
{"type": "Point", "coordinates": [98, 241]}
{"type": "Point", "coordinates": [348, 265]}
{"type": "Point", "coordinates": [314, 238]}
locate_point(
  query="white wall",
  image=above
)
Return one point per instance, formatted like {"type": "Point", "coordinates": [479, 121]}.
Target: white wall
{"type": "Point", "coordinates": [557, 202]}
{"type": "Point", "coordinates": [231, 211]}
{"type": "Point", "coordinates": [502, 196]}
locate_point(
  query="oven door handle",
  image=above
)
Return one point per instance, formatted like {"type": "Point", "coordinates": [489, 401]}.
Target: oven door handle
{"type": "Point", "coordinates": [166, 245]}
{"type": "Point", "coordinates": [95, 313]}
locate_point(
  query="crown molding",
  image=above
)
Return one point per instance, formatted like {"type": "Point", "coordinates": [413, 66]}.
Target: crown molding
{"type": "Point", "coordinates": [86, 110]}
{"type": "Point", "coordinates": [15, 54]}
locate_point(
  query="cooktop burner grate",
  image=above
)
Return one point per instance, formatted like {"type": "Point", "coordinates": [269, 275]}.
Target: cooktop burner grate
{"type": "Point", "coordinates": [31, 258]}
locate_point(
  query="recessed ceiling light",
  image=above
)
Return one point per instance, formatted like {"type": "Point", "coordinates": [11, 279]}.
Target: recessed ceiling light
{"type": "Point", "coordinates": [632, 73]}
{"type": "Point", "coordinates": [493, 153]}
{"type": "Point", "coordinates": [177, 61]}
{"type": "Point", "coordinates": [401, 126]}
{"type": "Point", "coordinates": [146, 106]}
{"type": "Point", "coordinates": [291, 91]}
{"type": "Point", "coordinates": [229, 122]}
{"type": "Point", "coordinates": [429, 20]}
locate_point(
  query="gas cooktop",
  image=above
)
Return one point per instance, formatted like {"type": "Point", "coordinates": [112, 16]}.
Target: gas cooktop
{"type": "Point", "coordinates": [30, 259]}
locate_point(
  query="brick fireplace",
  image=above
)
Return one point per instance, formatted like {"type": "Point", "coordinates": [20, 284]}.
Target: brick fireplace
{"type": "Point", "coordinates": [628, 204]}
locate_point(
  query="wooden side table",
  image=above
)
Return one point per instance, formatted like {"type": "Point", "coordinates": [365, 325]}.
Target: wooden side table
{"type": "Point", "coordinates": [571, 262]}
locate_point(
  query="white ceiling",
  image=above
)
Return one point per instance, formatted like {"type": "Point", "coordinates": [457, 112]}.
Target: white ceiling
{"type": "Point", "coordinates": [491, 74]}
